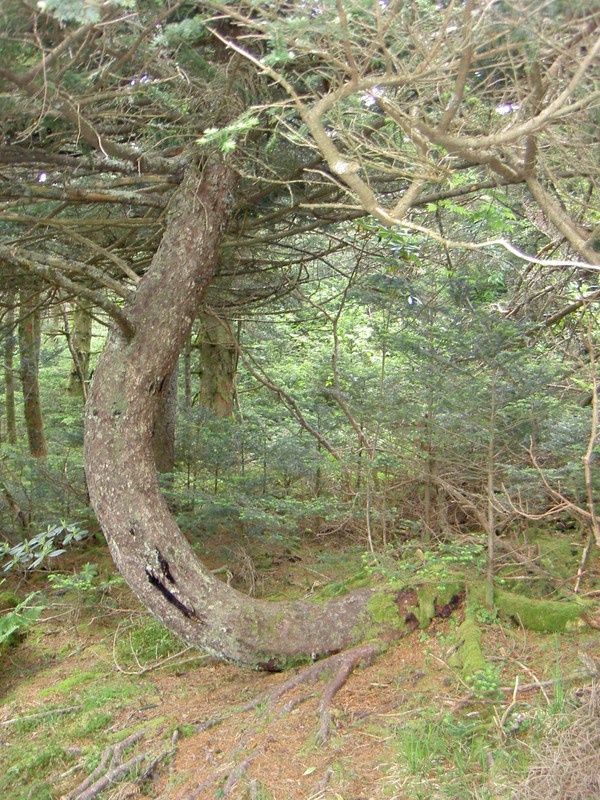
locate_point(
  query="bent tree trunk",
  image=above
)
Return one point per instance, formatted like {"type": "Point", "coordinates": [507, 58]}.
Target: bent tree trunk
{"type": "Point", "coordinates": [147, 546]}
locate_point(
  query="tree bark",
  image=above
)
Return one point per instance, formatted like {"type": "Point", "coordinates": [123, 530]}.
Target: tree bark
{"type": "Point", "coordinates": [29, 349]}
{"type": "Point", "coordinates": [165, 419]}
{"type": "Point", "coordinates": [147, 546]}
{"type": "Point", "coordinates": [80, 345]}
{"type": "Point", "coordinates": [218, 366]}
{"type": "Point", "coordinates": [9, 374]}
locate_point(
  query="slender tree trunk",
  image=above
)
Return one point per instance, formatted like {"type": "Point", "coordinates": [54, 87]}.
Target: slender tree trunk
{"type": "Point", "coordinates": [80, 345]}
{"type": "Point", "coordinates": [29, 349]}
{"type": "Point", "coordinates": [491, 509]}
{"type": "Point", "coordinates": [218, 366]}
{"type": "Point", "coordinates": [187, 372]}
{"type": "Point", "coordinates": [9, 373]}
{"type": "Point", "coordinates": [149, 549]}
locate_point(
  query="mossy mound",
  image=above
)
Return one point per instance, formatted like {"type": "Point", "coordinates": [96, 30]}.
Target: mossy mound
{"type": "Point", "coordinates": [470, 653]}
{"type": "Point", "coordinates": [543, 615]}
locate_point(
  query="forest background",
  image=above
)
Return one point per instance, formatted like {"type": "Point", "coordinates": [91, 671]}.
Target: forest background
{"type": "Point", "coordinates": [390, 356]}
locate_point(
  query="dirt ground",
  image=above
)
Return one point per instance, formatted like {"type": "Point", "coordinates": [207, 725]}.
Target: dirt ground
{"type": "Point", "coordinates": [404, 726]}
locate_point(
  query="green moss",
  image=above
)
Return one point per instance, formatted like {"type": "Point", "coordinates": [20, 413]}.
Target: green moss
{"type": "Point", "coordinates": [425, 611]}
{"type": "Point", "coordinates": [185, 730]}
{"type": "Point", "coordinates": [68, 684]}
{"type": "Point", "coordinates": [149, 641]}
{"type": "Point", "coordinates": [89, 723]}
{"type": "Point", "coordinates": [542, 615]}
{"type": "Point", "coordinates": [388, 612]}
{"type": "Point", "coordinates": [27, 764]}
{"type": "Point", "coordinates": [383, 610]}
{"type": "Point", "coordinates": [471, 654]}
{"type": "Point", "coordinates": [434, 596]}
{"type": "Point", "coordinates": [557, 552]}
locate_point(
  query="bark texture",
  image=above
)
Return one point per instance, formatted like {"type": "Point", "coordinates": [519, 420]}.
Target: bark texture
{"type": "Point", "coordinates": [9, 375]}
{"type": "Point", "coordinates": [165, 419]}
{"type": "Point", "coordinates": [29, 350]}
{"type": "Point", "coordinates": [81, 345]}
{"type": "Point", "coordinates": [218, 366]}
{"type": "Point", "coordinates": [148, 548]}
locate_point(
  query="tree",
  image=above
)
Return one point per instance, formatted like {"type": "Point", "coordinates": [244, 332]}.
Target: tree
{"type": "Point", "coordinates": [29, 349]}
{"type": "Point", "coordinates": [398, 98]}
{"type": "Point", "coordinates": [397, 105]}
{"type": "Point", "coordinates": [80, 342]}
{"type": "Point", "coordinates": [9, 377]}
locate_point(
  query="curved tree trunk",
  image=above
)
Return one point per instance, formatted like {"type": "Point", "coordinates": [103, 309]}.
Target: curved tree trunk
{"type": "Point", "coordinates": [148, 548]}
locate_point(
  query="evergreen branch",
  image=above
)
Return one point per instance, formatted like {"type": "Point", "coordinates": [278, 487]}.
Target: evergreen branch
{"type": "Point", "coordinates": [52, 275]}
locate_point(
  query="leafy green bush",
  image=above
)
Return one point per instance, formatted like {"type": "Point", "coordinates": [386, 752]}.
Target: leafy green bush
{"type": "Point", "coordinates": [31, 553]}
{"type": "Point", "coordinates": [87, 583]}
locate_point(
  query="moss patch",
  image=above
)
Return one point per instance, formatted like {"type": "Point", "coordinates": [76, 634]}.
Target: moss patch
{"type": "Point", "coordinates": [146, 642]}
{"type": "Point", "coordinates": [542, 615]}
{"type": "Point", "coordinates": [383, 611]}
{"type": "Point", "coordinates": [470, 653]}
{"type": "Point", "coordinates": [437, 600]}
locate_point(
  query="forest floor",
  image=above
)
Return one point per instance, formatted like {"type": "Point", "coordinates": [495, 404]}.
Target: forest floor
{"type": "Point", "coordinates": [97, 700]}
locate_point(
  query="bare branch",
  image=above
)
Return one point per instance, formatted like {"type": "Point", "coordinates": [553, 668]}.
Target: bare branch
{"type": "Point", "coordinates": [51, 274]}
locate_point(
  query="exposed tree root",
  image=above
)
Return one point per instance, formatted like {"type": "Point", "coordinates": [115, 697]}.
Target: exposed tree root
{"type": "Point", "coordinates": [345, 666]}
{"type": "Point", "coordinates": [336, 668]}
{"type": "Point", "coordinates": [317, 791]}
{"type": "Point", "coordinates": [111, 769]}
{"type": "Point", "coordinates": [52, 712]}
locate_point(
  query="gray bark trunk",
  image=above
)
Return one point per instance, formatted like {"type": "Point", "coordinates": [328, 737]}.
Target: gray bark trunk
{"type": "Point", "coordinates": [165, 419]}
{"type": "Point", "coordinates": [148, 548]}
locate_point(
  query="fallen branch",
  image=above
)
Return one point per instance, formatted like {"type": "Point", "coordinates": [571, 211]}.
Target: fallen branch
{"type": "Point", "coordinates": [57, 711]}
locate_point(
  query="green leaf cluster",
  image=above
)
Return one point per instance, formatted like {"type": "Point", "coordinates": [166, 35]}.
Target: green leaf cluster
{"type": "Point", "coordinates": [31, 553]}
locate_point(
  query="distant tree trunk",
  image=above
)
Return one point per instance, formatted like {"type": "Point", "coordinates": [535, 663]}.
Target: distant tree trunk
{"type": "Point", "coordinates": [9, 374]}
{"type": "Point", "coordinates": [218, 366]}
{"type": "Point", "coordinates": [187, 372]}
{"type": "Point", "coordinates": [150, 551]}
{"type": "Point", "coordinates": [29, 350]}
{"type": "Point", "coordinates": [163, 433]}
{"type": "Point", "coordinates": [80, 345]}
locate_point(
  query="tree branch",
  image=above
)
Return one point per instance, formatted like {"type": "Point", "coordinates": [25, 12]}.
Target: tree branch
{"type": "Point", "coordinates": [52, 275]}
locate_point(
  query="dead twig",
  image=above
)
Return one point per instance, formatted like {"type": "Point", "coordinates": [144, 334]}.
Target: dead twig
{"type": "Point", "coordinates": [41, 715]}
